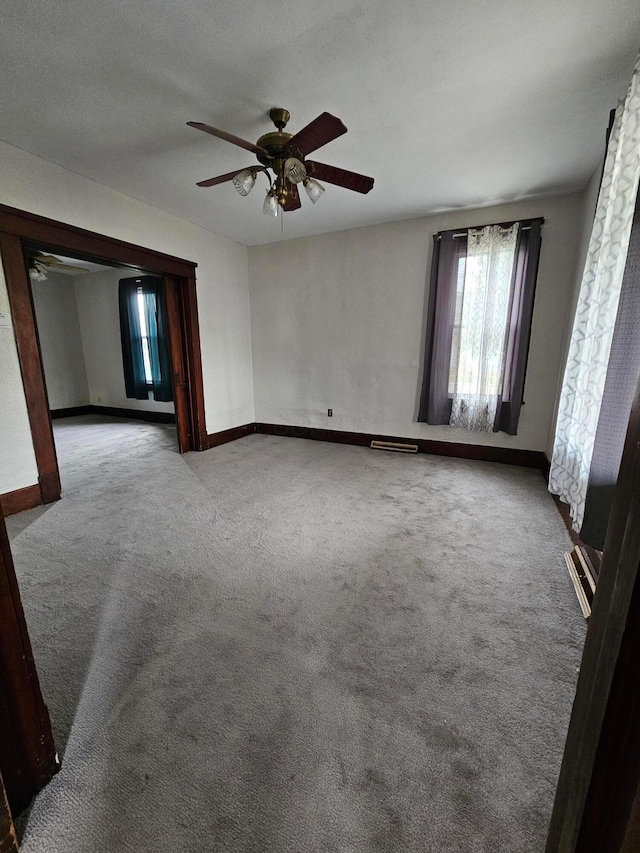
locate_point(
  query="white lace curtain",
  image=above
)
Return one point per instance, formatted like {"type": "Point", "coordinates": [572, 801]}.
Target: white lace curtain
{"type": "Point", "coordinates": [488, 275]}
{"type": "Point", "coordinates": [593, 326]}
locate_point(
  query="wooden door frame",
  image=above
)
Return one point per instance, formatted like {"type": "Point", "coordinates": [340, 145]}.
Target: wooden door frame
{"type": "Point", "coordinates": [28, 757]}
{"type": "Point", "coordinates": [8, 836]}
{"type": "Point", "coordinates": [597, 802]}
{"type": "Point", "coordinates": [19, 228]}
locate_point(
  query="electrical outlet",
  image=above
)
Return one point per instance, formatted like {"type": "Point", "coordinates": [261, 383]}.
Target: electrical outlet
{"type": "Point", "coordinates": [329, 413]}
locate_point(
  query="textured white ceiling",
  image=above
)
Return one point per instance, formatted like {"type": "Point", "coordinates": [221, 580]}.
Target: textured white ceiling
{"type": "Point", "coordinates": [483, 101]}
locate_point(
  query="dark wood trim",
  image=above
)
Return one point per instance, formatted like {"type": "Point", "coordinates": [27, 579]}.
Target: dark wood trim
{"type": "Point", "coordinates": [50, 487]}
{"type": "Point", "coordinates": [70, 412]}
{"type": "Point", "coordinates": [27, 751]}
{"type": "Point", "coordinates": [176, 336]}
{"type": "Point", "coordinates": [483, 453]}
{"type": "Point", "coordinates": [20, 229]}
{"type": "Point", "coordinates": [49, 234]}
{"type": "Point", "coordinates": [509, 456]}
{"type": "Point", "coordinates": [194, 362]}
{"type": "Point", "coordinates": [28, 346]}
{"type": "Point", "coordinates": [134, 414]}
{"type": "Point", "coordinates": [8, 837]}
{"type": "Point", "coordinates": [214, 439]}
{"type": "Point", "coordinates": [116, 412]}
{"type": "Point", "coordinates": [596, 804]}
{"type": "Point", "coordinates": [20, 499]}
{"type": "Point", "coordinates": [506, 455]}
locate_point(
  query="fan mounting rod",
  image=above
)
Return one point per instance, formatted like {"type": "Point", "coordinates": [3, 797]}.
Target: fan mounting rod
{"type": "Point", "coordinates": [279, 116]}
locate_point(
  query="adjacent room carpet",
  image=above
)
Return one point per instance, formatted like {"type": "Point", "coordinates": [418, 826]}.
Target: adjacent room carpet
{"type": "Point", "coordinates": [288, 646]}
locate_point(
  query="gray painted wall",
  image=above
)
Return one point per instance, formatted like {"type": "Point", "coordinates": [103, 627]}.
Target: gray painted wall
{"type": "Point", "coordinates": [17, 458]}
{"type": "Point", "coordinates": [60, 341]}
{"type": "Point", "coordinates": [79, 329]}
{"type": "Point", "coordinates": [97, 298]}
{"type": "Point", "coordinates": [30, 183]}
{"type": "Point", "coordinates": [338, 321]}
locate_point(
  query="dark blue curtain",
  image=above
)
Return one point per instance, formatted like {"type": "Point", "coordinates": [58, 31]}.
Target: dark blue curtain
{"type": "Point", "coordinates": [131, 337]}
{"type": "Point", "coordinates": [136, 383]}
{"type": "Point", "coordinates": [155, 313]}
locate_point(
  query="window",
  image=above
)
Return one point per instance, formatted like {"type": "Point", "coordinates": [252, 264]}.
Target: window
{"type": "Point", "coordinates": [145, 351]}
{"type": "Point", "coordinates": [457, 319]}
{"type": "Point", "coordinates": [144, 337]}
{"type": "Point", "coordinates": [479, 323]}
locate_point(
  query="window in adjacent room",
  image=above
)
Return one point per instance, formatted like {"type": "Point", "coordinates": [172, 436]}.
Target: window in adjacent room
{"type": "Point", "coordinates": [144, 337]}
{"type": "Point", "coordinates": [479, 324]}
{"type": "Point", "coordinates": [145, 348]}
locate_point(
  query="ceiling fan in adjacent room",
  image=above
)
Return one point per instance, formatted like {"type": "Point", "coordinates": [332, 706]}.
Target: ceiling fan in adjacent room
{"type": "Point", "coordinates": [40, 262]}
{"type": "Point", "coordinates": [284, 154]}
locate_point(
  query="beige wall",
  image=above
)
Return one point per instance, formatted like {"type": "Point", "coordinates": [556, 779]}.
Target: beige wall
{"type": "Point", "coordinates": [60, 341]}
{"type": "Point", "coordinates": [338, 322]}
{"type": "Point", "coordinates": [33, 184]}
{"type": "Point", "coordinates": [99, 313]}
{"type": "Point", "coordinates": [17, 459]}
{"type": "Point", "coordinates": [334, 321]}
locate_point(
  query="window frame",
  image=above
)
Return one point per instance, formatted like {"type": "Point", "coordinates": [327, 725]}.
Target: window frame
{"type": "Point", "coordinates": [436, 401]}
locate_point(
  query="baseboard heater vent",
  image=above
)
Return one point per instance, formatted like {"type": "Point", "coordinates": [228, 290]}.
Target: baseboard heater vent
{"type": "Point", "coordinates": [583, 577]}
{"type": "Point", "coordinates": [394, 445]}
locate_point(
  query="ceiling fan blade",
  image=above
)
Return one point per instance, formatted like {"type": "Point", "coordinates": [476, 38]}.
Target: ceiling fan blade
{"type": "Point", "coordinates": [317, 133]}
{"type": "Point", "coordinates": [55, 263]}
{"type": "Point", "coordinates": [69, 268]}
{"type": "Point", "coordinates": [220, 179]}
{"type": "Point", "coordinates": [293, 199]}
{"type": "Point", "coordinates": [340, 177]}
{"type": "Point", "coordinates": [228, 137]}
{"type": "Point", "coordinates": [47, 259]}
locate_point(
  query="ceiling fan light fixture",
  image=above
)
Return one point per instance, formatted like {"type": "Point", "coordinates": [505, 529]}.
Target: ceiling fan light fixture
{"type": "Point", "coordinates": [294, 170]}
{"type": "Point", "coordinates": [313, 189]}
{"type": "Point", "coordinates": [270, 206]}
{"type": "Point", "coordinates": [37, 272]}
{"type": "Point", "coordinates": [282, 158]}
{"type": "Point", "coordinates": [244, 181]}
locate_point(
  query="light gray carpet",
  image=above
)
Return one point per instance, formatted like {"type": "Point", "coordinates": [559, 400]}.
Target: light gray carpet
{"type": "Point", "coordinates": [291, 646]}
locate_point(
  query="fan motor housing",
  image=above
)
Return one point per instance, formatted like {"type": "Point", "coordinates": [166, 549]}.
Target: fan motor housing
{"type": "Point", "coordinates": [276, 144]}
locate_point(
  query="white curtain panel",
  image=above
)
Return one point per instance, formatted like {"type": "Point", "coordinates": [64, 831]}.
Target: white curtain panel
{"type": "Point", "coordinates": [483, 326]}
{"type": "Point", "coordinates": [594, 321]}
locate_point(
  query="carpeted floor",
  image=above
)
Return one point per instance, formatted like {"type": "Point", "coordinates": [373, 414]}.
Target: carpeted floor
{"type": "Point", "coordinates": [288, 646]}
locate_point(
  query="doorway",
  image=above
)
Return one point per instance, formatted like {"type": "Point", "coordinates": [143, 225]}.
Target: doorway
{"type": "Point", "coordinates": [105, 355]}
{"type": "Point", "coordinates": [20, 231]}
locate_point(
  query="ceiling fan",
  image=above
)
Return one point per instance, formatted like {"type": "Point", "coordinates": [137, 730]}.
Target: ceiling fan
{"type": "Point", "coordinates": [284, 154]}
{"type": "Point", "coordinates": [39, 263]}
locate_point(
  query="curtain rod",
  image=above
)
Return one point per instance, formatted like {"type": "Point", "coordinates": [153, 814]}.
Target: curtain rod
{"type": "Point", "coordinates": [465, 233]}
{"type": "Point", "coordinates": [526, 227]}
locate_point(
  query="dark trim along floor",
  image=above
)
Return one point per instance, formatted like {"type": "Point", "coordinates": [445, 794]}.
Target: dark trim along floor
{"type": "Point", "coordinates": [27, 498]}
{"type": "Point", "coordinates": [136, 414]}
{"type": "Point", "coordinates": [483, 453]}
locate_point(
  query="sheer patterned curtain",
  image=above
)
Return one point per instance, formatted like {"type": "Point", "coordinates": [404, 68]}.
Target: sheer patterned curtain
{"type": "Point", "coordinates": [476, 382]}
{"type": "Point", "coordinates": [595, 317]}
